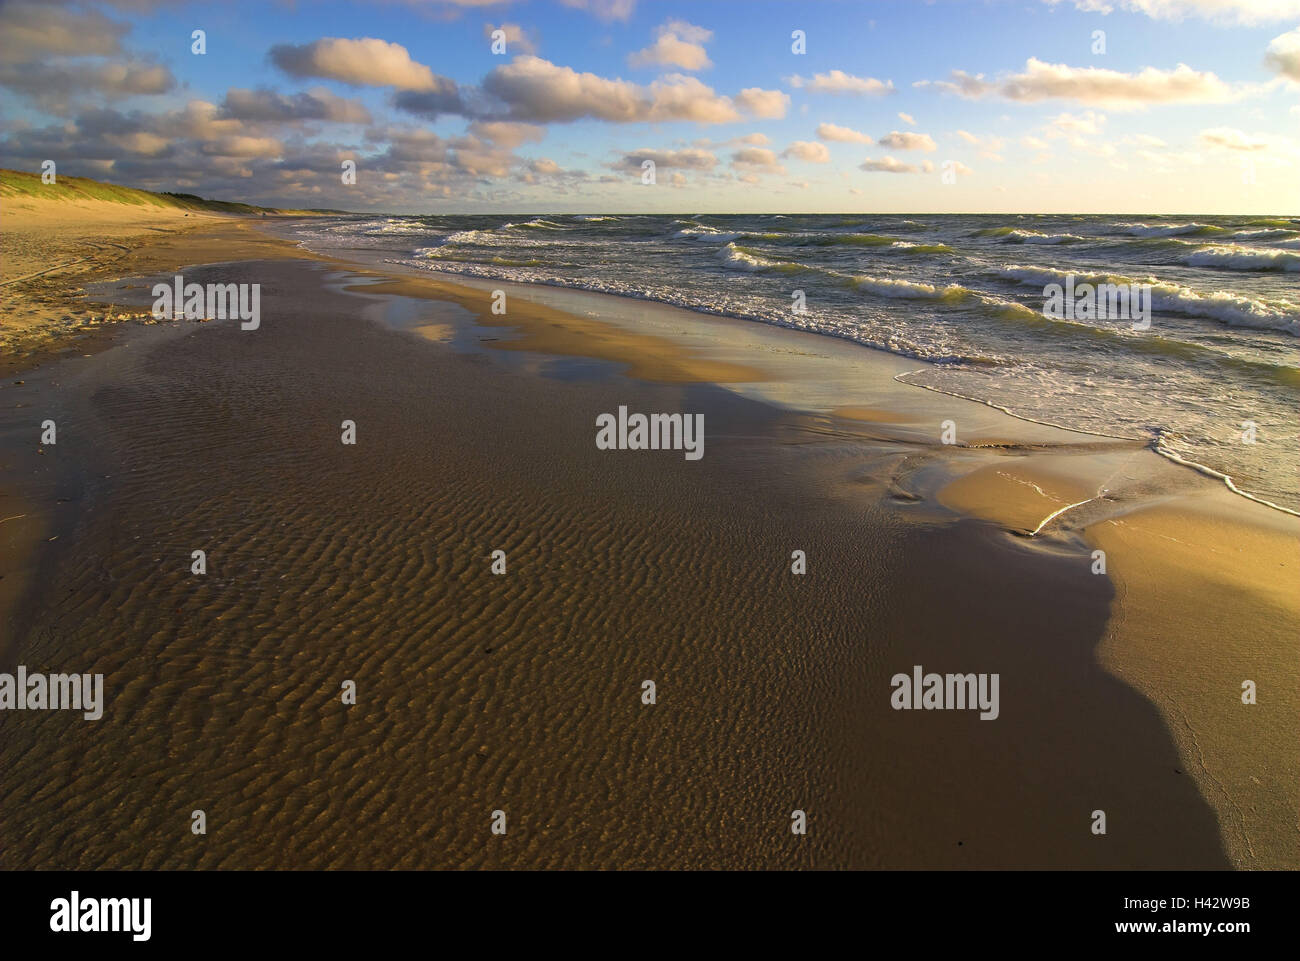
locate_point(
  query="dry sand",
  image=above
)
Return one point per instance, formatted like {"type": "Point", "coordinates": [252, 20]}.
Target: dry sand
{"type": "Point", "coordinates": [522, 692]}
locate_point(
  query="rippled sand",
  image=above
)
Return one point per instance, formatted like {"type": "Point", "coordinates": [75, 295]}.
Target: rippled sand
{"type": "Point", "coordinates": [522, 692]}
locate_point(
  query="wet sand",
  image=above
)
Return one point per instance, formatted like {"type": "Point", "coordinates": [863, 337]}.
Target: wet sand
{"type": "Point", "coordinates": [522, 692]}
{"type": "Point", "coordinates": [1206, 599]}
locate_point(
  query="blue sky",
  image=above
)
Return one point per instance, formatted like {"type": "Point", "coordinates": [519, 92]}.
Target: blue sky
{"type": "Point", "coordinates": [1193, 106]}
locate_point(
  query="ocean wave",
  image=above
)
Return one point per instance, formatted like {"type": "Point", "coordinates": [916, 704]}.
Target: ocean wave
{"type": "Point", "coordinates": [744, 258]}
{"type": "Point", "coordinates": [912, 290]}
{"type": "Point", "coordinates": [1022, 235]}
{"type": "Point", "coordinates": [852, 240]}
{"type": "Point", "coordinates": [1149, 342]}
{"type": "Point", "coordinates": [1229, 308]}
{"type": "Point", "coordinates": [479, 237]}
{"type": "Point", "coordinates": [822, 239]}
{"type": "Point", "coordinates": [1237, 257]}
{"type": "Point", "coordinates": [906, 246]}
{"type": "Point", "coordinates": [1168, 230]}
{"type": "Point", "coordinates": [750, 260]}
{"type": "Point", "coordinates": [387, 227]}
{"type": "Point", "coordinates": [1267, 233]}
{"type": "Point", "coordinates": [702, 232]}
{"type": "Point", "coordinates": [1034, 237]}
{"type": "Point", "coordinates": [535, 224]}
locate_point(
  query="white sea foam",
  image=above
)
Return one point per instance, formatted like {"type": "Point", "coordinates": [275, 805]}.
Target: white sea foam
{"type": "Point", "coordinates": [1268, 233]}
{"type": "Point", "coordinates": [1166, 230]}
{"type": "Point", "coordinates": [1237, 257]}
{"type": "Point", "coordinates": [701, 232]}
{"type": "Point", "coordinates": [1229, 308]}
{"type": "Point", "coordinates": [743, 259]}
{"type": "Point", "coordinates": [908, 289]}
{"type": "Point", "coordinates": [1034, 237]}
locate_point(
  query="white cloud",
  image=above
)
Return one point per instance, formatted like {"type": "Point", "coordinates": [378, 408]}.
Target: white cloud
{"type": "Point", "coordinates": [545, 166]}
{"type": "Point", "coordinates": [830, 131]}
{"type": "Point", "coordinates": [1230, 138]}
{"type": "Point", "coordinates": [677, 44]}
{"type": "Point", "coordinates": [366, 62]}
{"type": "Point", "coordinates": [140, 142]}
{"type": "Point", "coordinates": [907, 141]}
{"type": "Point", "coordinates": [961, 83]}
{"type": "Point", "coordinates": [30, 29]}
{"type": "Point", "coordinates": [1088, 123]}
{"type": "Point", "coordinates": [602, 9]}
{"type": "Point", "coordinates": [1082, 132]}
{"type": "Point", "coordinates": [59, 87]}
{"type": "Point", "coordinates": [667, 159]}
{"type": "Point", "coordinates": [990, 147]}
{"type": "Point", "coordinates": [236, 145]}
{"type": "Point", "coordinates": [887, 165]}
{"type": "Point", "coordinates": [1283, 55]}
{"type": "Point", "coordinates": [517, 39]}
{"type": "Point", "coordinates": [538, 90]}
{"type": "Point", "coordinates": [1094, 86]}
{"type": "Point", "coordinates": [766, 104]}
{"type": "Point", "coordinates": [757, 157]}
{"type": "Point", "coordinates": [505, 134]}
{"type": "Point", "coordinates": [837, 81]}
{"type": "Point", "coordinates": [268, 106]}
{"type": "Point", "coordinates": [1246, 12]}
{"type": "Point", "coordinates": [809, 151]}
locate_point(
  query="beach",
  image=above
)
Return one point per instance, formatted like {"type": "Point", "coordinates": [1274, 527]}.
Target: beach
{"type": "Point", "coordinates": [522, 691]}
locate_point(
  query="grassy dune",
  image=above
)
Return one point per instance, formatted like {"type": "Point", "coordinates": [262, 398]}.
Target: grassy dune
{"type": "Point", "coordinates": [17, 183]}
{"type": "Point", "coordinates": [55, 238]}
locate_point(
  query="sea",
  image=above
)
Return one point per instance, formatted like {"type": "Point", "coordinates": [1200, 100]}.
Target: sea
{"type": "Point", "coordinates": [1214, 381]}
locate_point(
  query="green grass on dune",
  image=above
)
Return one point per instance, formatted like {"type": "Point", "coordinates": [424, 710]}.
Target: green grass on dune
{"type": "Point", "coordinates": [17, 183]}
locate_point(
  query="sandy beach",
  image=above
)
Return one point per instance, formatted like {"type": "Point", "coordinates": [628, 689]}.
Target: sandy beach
{"type": "Point", "coordinates": [522, 691]}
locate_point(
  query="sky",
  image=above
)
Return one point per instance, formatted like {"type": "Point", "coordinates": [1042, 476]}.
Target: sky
{"type": "Point", "coordinates": [1023, 106]}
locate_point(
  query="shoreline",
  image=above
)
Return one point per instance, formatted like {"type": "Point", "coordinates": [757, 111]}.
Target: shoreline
{"type": "Point", "coordinates": [464, 279]}
{"type": "Point", "coordinates": [905, 466]}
